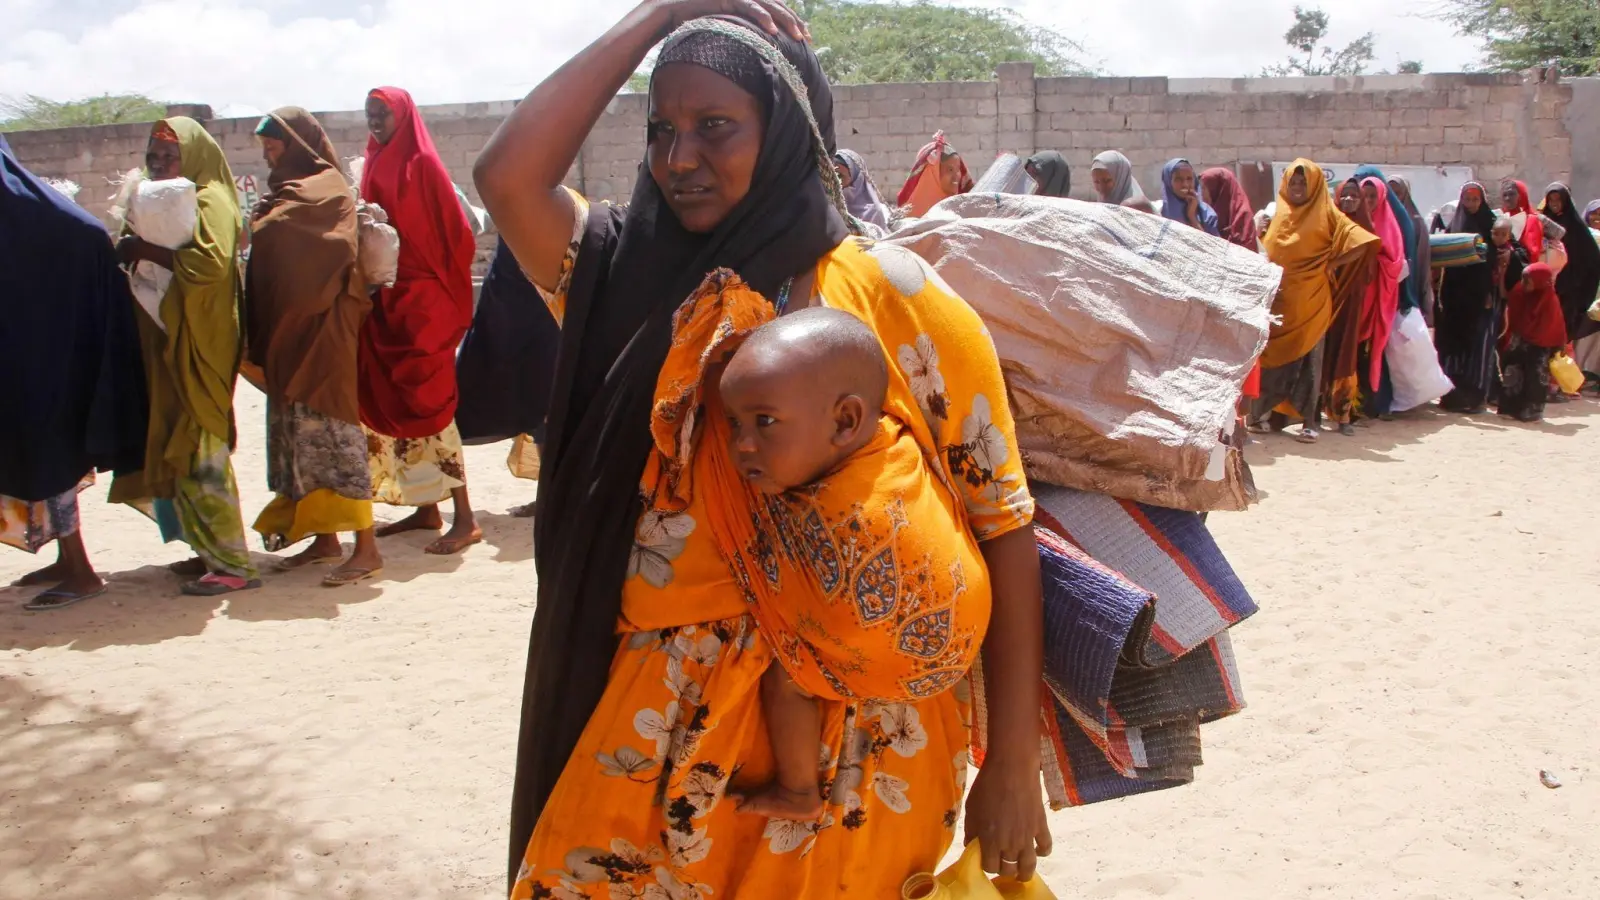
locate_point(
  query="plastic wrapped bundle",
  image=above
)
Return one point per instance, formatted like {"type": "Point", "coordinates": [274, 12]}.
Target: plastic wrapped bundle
{"type": "Point", "coordinates": [1453, 250]}
{"type": "Point", "coordinates": [1125, 340]}
{"type": "Point", "coordinates": [377, 245]}
{"type": "Point", "coordinates": [164, 213]}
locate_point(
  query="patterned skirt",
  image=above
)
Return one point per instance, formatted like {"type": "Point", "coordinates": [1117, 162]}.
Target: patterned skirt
{"type": "Point", "coordinates": [317, 465]}
{"type": "Point", "coordinates": [30, 525]}
{"type": "Point", "coordinates": [415, 471]}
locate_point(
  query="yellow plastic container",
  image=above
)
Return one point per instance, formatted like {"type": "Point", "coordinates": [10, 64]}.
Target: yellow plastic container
{"type": "Point", "coordinates": [1566, 373]}
{"type": "Point", "coordinates": [966, 880]}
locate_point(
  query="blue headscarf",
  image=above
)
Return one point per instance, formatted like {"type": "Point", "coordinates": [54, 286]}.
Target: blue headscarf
{"type": "Point", "coordinates": [1175, 208]}
{"type": "Point", "coordinates": [1408, 232]}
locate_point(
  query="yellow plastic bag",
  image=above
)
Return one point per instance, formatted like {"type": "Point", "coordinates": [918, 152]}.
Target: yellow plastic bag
{"type": "Point", "coordinates": [966, 880]}
{"type": "Point", "coordinates": [1566, 373]}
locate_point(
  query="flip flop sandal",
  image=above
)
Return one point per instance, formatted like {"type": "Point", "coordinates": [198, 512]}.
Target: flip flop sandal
{"type": "Point", "coordinates": [1307, 437]}
{"type": "Point", "coordinates": [1347, 429]}
{"type": "Point", "coordinates": [300, 562]}
{"type": "Point", "coordinates": [353, 576]}
{"type": "Point", "coordinates": [55, 598]}
{"type": "Point", "coordinates": [214, 585]}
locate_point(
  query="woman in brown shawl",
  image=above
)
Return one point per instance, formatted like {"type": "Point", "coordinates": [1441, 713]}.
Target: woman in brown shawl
{"type": "Point", "coordinates": [1341, 358]}
{"type": "Point", "coordinates": [307, 299]}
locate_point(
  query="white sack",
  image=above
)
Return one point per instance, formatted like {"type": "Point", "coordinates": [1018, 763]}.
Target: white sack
{"type": "Point", "coordinates": [1125, 338]}
{"type": "Point", "coordinates": [377, 245]}
{"type": "Point", "coordinates": [1414, 364]}
{"type": "Point", "coordinates": [164, 213]}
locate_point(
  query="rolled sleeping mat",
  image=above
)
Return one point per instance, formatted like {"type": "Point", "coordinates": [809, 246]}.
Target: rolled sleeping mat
{"type": "Point", "coordinates": [1454, 250]}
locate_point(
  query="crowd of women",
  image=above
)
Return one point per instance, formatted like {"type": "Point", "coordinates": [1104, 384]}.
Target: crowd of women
{"type": "Point", "coordinates": [1356, 259]}
{"type": "Point", "coordinates": [642, 699]}
{"type": "Point", "coordinates": [360, 379]}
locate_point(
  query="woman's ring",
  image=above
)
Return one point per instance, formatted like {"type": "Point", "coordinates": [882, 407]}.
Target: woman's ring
{"type": "Point", "coordinates": [1010, 862]}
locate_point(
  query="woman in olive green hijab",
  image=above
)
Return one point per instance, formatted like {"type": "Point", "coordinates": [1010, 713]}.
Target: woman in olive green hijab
{"type": "Point", "coordinates": [191, 361]}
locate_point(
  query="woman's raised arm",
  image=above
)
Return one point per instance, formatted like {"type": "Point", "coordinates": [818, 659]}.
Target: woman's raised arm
{"type": "Point", "coordinates": [520, 171]}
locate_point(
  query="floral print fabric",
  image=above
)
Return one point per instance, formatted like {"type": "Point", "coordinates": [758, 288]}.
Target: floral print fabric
{"type": "Point", "coordinates": [415, 471]}
{"type": "Point", "coordinates": [867, 583]}
{"type": "Point", "coordinates": [643, 808]}
{"type": "Point", "coordinates": [31, 525]}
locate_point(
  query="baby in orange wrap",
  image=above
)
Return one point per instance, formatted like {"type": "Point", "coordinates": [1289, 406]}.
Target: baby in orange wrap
{"type": "Point", "coordinates": [863, 574]}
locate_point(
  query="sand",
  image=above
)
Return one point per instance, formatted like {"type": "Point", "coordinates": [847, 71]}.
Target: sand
{"type": "Point", "coordinates": [1428, 643]}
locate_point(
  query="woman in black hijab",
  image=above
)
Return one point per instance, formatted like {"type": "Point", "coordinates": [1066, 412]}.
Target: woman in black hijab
{"type": "Point", "coordinates": [1579, 280]}
{"type": "Point", "coordinates": [738, 175]}
{"type": "Point", "coordinates": [1050, 173]}
{"type": "Point", "coordinates": [1472, 302]}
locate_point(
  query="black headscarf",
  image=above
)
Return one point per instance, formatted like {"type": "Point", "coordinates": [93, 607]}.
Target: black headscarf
{"type": "Point", "coordinates": [1052, 173]}
{"type": "Point", "coordinates": [1480, 222]}
{"type": "Point", "coordinates": [634, 268]}
{"type": "Point", "coordinates": [74, 398]}
{"type": "Point", "coordinates": [508, 359]}
{"type": "Point", "coordinates": [1580, 280]}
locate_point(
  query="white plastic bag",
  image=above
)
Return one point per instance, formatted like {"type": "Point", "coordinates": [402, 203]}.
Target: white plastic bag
{"type": "Point", "coordinates": [1414, 364]}
{"type": "Point", "coordinates": [377, 245]}
{"type": "Point", "coordinates": [163, 213]}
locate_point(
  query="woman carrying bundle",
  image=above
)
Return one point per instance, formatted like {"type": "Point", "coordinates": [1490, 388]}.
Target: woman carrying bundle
{"type": "Point", "coordinates": [754, 194]}
{"type": "Point", "coordinates": [409, 342]}
{"type": "Point", "coordinates": [1472, 302]}
{"type": "Point", "coordinates": [191, 364]}
{"type": "Point", "coordinates": [307, 300]}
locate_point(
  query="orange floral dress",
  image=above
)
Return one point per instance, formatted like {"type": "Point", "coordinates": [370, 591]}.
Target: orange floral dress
{"type": "Point", "coordinates": [641, 810]}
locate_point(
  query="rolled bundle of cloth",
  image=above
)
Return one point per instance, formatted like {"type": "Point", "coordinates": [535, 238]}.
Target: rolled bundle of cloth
{"type": "Point", "coordinates": [1138, 601]}
{"type": "Point", "coordinates": [1162, 325]}
{"type": "Point", "coordinates": [1453, 250]}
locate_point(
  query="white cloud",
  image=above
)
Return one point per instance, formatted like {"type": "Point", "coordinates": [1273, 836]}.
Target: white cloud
{"type": "Point", "coordinates": [327, 54]}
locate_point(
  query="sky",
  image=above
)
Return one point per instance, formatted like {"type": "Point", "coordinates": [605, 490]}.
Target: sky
{"type": "Point", "coordinates": [245, 56]}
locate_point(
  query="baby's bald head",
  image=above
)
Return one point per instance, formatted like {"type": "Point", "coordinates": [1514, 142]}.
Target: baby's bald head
{"type": "Point", "coordinates": [803, 393]}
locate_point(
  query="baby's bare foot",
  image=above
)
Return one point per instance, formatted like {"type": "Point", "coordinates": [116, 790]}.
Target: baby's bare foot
{"type": "Point", "coordinates": [778, 802]}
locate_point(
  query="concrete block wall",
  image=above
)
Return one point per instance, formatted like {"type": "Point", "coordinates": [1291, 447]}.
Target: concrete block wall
{"type": "Point", "coordinates": [1498, 124]}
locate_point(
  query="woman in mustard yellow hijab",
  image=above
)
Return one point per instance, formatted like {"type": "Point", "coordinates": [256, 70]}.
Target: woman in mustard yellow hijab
{"type": "Point", "coordinates": [191, 360]}
{"type": "Point", "coordinates": [1324, 256]}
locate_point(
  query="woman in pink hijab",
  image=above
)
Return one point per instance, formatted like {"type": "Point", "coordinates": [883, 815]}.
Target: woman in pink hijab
{"type": "Point", "coordinates": [938, 173]}
{"type": "Point", "coordinates": [1383, 291]}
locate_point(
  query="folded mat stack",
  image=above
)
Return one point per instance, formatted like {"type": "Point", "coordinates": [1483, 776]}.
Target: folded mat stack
{"type": "Point", "coordinates": [1125, 339]}
{"type": "Point", "coordinates": [1138, 601]}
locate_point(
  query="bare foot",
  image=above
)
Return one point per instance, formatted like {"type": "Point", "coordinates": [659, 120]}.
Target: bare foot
{"type": "Point", "coordinates": [525, 511]}
{"type": "Point", "coordinates": [426, 518]}
{"type": "Point", "coordinates": [460, 536]}
{"type": "Point", "coordinates": [778, 802]}
{"type": "Point", "coordinates": [325, 548]}
{"type": "Point", "coordinates": [50, 574]}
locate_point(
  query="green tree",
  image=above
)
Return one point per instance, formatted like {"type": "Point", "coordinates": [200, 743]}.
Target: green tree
{"type": "Point", "coordinates": [875, 42]}
{"type": "Point", "coordinates": [1524, 34]}
{"type": "Point", "coordinates": [1310, 29]}
{"type": "Point", "coordinates": [1409, 67]}
{"type": "Point", "coordinates": [33, 113]}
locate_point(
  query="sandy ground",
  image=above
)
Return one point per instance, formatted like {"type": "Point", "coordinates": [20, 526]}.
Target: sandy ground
{"type": "Point", "coordinates": [1429, 643]}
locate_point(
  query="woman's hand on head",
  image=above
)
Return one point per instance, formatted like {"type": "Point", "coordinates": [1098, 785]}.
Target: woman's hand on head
{"type": "Point", "coordinates": [1006, 814]}
{"type": "Point", "coordinates": [771, 16]}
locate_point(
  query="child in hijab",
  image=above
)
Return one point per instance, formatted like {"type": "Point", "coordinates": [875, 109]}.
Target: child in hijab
{"type": "Point", "coordinates": [1180, 198]}
{"type": "Point", "coordinates": [939, 172]}
{"type": "Point", "coordinates": [1534, 330]}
